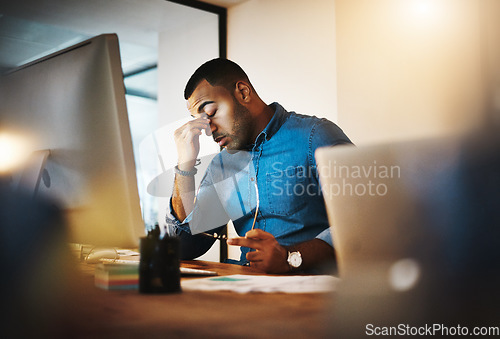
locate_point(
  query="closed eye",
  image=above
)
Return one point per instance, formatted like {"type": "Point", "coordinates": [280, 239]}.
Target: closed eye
{"type": "Point", "coordinates": [209, 108]}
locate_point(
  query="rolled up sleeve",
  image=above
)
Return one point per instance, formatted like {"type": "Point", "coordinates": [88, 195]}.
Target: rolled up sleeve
{"type": "Point", "coordinates": [326, 236]}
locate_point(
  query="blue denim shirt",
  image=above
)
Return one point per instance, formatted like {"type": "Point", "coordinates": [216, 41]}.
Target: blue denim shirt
{"type": "Point", "coordinates": [279, 172]}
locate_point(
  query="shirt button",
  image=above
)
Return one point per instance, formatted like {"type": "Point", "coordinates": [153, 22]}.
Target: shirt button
{"type": "Point", "coordinates": [252, 179]}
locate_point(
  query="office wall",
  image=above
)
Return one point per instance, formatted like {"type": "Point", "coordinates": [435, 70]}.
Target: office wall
{"type": "Point", "coordinates": [287, 47]}
{"type": "Point", "coordinates": [491, 60]}
{"type": "Point", "coordinates": [408, 69]}
{"type": "Point", "coordinates": [384, 70]}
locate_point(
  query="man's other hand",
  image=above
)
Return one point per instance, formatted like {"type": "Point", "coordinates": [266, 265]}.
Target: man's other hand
{"type": "Point", "coordinates": [268, 255]}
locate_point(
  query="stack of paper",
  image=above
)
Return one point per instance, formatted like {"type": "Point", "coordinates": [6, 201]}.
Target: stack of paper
{"type": "Point", "coordinates": [121, 276]}
{"type": "Point", "coordinates": [264, 283]}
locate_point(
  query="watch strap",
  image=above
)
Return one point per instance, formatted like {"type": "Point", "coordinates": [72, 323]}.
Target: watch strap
{"type": "Point", "coordinates": [185, 173]}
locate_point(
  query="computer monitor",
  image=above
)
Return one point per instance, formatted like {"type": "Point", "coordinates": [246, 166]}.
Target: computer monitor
{"type": "Point", "coordinates": [72, 104]}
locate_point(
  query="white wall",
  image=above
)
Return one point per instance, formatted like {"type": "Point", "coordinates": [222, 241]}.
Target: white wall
{"type": "Point", "coordinates": [491, 47]}
{"type": "Point", "coordinates": [287, 48]}
{"type": "Point", "coordinates": [384, 70]}
{"type": "Point", "coordinates": [408, 69]}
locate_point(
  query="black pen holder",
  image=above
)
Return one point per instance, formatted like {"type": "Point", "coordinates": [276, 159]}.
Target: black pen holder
{"type": "Point", "coordinates": [159, 267]}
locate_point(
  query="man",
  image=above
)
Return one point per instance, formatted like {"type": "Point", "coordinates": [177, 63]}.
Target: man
{"type": "Point", "coordinates": [264, 179]}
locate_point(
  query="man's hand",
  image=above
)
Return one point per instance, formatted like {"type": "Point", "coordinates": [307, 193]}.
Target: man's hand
{"type": "Point", "coordinates": [187, 140]}
{"type": "Point", "coordinates": [269, 256]}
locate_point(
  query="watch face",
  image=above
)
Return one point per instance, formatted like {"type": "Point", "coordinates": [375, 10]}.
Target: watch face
{"type": "Point", "coordinates": [295, 259]}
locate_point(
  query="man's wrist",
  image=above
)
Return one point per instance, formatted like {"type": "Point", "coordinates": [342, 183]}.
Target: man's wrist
{"type": "Point", "coordinates": [191, 173]}
{"type": "Point", "coordinates": [188, 166]}
{"type": "Point", "coordinates": [293, 258]}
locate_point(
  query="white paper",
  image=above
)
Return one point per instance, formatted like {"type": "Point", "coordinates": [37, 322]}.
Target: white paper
{"type": "Point", "coordinates": [240, 283]}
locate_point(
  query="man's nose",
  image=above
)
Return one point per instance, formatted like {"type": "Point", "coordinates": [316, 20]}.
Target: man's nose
{"type": "Point", "coordinates": [213, 127]}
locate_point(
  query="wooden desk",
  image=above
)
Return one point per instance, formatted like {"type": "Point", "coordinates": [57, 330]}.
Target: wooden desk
{"type": "Point", "coordinates": [127, 314]}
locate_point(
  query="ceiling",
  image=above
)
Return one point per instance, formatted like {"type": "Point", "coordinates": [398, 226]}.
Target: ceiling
{"type": "Point", "coordinates": [30, 29]}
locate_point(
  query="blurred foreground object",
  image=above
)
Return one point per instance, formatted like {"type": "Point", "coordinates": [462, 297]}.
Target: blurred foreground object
{"type": "Point", "coordinates": [422, 247]}
{"type": "Point", "coordinates": [34, 252]}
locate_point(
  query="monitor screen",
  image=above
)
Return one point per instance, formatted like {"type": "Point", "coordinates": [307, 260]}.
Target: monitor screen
{"type": "Point", "coordinates": [72, 104]}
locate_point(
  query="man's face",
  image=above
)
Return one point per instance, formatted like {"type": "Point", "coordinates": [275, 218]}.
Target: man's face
{"type": "Point", "coordinates": [230, 122]}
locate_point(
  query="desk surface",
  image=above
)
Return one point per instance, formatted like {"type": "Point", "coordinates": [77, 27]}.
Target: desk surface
{"type": "Point", "coordinates": [128, 314]}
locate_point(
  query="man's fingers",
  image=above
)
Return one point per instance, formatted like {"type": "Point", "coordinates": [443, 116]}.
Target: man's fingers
{"type": "Point", "coordinates": [254, 256]}
{"type": "Point", "coordinates": [245, 242]}
{"type": "Point", "coordinates": [200, 125]}
{"type": "Point", "coordinates": [191, 133]}
{"type": "Point", "coordinates": [192, 130]}
{"type": "Point", "coordinates": [208, 130]}
{"type": "Point", "coordinates": [253, 239]}
{"type": "Point", "coordinates": [257, 233]}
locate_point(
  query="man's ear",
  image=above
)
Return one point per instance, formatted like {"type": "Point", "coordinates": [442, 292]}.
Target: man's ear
{"type": "Point", "coordinates": [242, 92]}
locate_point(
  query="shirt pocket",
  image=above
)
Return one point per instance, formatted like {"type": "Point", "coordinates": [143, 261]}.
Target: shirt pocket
{"type": "Point", "coordinates": [286, 190]}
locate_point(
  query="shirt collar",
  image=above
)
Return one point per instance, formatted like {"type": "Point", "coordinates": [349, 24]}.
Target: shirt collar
{"type": "Point", "coordinates": [279, 117]}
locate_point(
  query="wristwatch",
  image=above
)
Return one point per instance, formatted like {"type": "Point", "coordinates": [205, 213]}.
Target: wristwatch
{"type": "Point", "coordinates": [294, 259]}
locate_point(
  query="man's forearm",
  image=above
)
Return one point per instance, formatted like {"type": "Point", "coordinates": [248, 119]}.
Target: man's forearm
{"type": "Point", "coordinates": [188, 147]}
{"type": "Point", "coordinates": [183, 196]}
{"type": "Point", "coordinates": [314, 252]}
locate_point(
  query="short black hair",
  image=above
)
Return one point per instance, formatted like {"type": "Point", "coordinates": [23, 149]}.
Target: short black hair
{"type": "Point", "coordinates": [217, 72]}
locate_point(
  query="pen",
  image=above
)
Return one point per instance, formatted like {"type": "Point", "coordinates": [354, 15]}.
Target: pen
{"type": "Point", "coordinates": [258, 202]}
{"type": "Point", "coordinates": [154, 233]}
